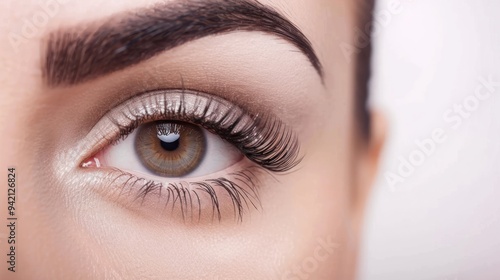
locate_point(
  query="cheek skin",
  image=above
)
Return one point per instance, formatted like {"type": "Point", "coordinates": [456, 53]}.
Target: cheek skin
{"type": "Point", "coordinates": [321, 209]}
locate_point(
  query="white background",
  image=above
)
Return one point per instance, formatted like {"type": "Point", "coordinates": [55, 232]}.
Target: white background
{"type": "Point", "coordinates": [443, 221]}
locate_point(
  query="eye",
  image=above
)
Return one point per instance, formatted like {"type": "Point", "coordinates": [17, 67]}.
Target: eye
{"type": "Point", "coordinates": [172, 133]}
{"type": "Point", "coordinates": [184, 148]}
{"type": "Point", "coordinates": [171, 149]}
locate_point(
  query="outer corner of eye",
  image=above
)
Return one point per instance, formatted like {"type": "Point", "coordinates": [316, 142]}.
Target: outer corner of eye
{"type": "Point", "coordinates": [168, 149]}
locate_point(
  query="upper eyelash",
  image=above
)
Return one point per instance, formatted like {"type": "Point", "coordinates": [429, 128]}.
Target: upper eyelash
{"type": "Point", "coordinates": [264, 140]}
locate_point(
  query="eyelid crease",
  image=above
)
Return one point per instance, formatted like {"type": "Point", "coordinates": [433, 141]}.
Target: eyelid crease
{"type": "Point", "coordinates": [262, 138]}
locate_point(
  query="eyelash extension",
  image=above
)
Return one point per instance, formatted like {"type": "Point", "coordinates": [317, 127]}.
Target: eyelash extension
{"type": "Point", "coordinates": [186, 195]}
{"type": "Point", "coordinates": [261, 138]}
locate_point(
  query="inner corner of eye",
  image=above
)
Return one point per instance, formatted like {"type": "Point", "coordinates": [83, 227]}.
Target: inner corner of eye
{"type": "Point", "coordinates": [169, 149]}
{"type": "Point", "coordinates": [94, 161]}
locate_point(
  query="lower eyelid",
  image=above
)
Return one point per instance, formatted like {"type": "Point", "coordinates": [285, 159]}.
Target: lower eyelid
{"type": "Point", "coordinates": [223, 197]}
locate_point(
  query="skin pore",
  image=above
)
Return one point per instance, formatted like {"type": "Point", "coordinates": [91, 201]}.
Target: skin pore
{"type": "Point", "coordinates": [88, 223]}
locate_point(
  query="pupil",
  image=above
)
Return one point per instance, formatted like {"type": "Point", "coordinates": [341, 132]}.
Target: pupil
{"type": "Point", "coordinates": [170, 146]}
{"type": "Point", "coordinates": [170, 141]}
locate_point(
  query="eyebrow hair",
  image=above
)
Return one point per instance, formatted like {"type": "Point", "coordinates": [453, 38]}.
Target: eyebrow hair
{"type": "Point", "coordinates": [76, 55]}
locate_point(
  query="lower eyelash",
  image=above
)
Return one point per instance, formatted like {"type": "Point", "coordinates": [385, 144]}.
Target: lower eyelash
{"type": "Point", "coordinates": [241, 188]}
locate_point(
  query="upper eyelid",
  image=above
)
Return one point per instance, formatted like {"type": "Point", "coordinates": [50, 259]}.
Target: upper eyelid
{"type": "Point", "coordinates": [240, 186]}
{"type": "Point", "coordinates": [275, 144]}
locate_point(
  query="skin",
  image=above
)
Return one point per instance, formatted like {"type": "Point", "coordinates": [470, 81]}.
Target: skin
{"type": "Point", "coordinates": [71, 227]}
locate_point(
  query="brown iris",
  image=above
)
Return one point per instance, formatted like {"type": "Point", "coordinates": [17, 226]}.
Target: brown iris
{"type": "Point", "coordinates": [170, 149]}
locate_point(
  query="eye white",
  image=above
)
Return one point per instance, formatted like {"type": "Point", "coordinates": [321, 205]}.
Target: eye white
{"type": "Point", "coordinates": [219, 155]}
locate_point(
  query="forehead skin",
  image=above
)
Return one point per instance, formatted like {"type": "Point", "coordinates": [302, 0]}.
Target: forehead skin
{"type": "Point", "coordinates": [43, 249]}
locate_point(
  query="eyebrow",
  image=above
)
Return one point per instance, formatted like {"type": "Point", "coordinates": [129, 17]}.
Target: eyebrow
{"type": "Point", "coordinates": [77, 54]}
